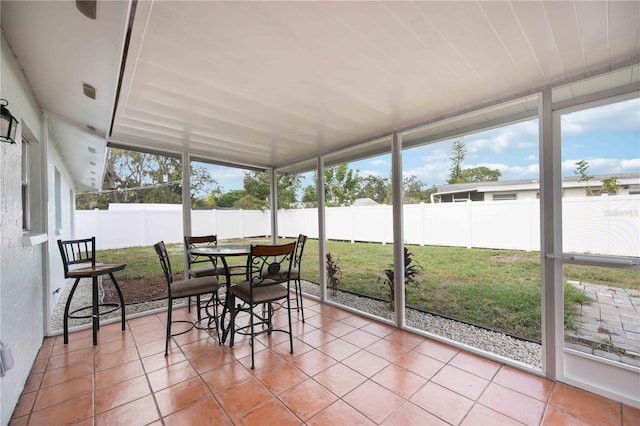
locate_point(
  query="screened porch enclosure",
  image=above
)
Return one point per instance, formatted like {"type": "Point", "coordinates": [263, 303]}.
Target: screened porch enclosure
{"type": "Point", "coordinates": [288, 93]}
{"type": "Point", "coordinates": [505, 305]}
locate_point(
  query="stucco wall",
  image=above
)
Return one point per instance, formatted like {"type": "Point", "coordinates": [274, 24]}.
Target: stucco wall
{"type": "Point", "coordinates": [66, 232]}
{"type": "Point", "coordinates": [21, 268]}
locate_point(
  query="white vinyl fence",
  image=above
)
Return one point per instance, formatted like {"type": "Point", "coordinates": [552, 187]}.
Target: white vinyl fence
{"type": "Point", "coordinates": [597, 225]}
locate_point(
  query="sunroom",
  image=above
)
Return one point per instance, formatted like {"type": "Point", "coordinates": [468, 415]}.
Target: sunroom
{"type": "Point", "coordinates": [297, 88]}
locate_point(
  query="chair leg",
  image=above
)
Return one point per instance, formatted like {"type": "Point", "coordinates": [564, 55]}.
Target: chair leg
{"type": "Point", "coordinates": [212, 304]}
{"type": "Point", "coordinates": [232, 319]}
{"type": "Point", "coordinates": [269, 315]}
{"type": "Point", "coordinates": [189, 304]}
{"type": "Point", "coordinates": [95, 309]}
{"type": "Point", "coordinates": [251, 342]}
{"type": "Point", "coordinates": [295, 287]}
{"type": "Point", "coordinates": [65, 320]}
{"type": "Point", "coordinates": [227, 308]}
{"type": "Point", "coordinates": [115, 284]}
{"type": "Point", "coordinates": [217, 317]}
{"type": "Point", "coordinates": [290, 328]}
{"type": "Point", "coordinates": [298, 285]}
{"type": "Point", "coordinates": [166, 344]}
{"type": "Point", "coordinates": [197, 307]}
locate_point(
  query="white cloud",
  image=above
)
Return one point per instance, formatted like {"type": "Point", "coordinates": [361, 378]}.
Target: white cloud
{"type": "Point", "coordinates": [599, 166]}
{"type": "Point", "coordinates": [621, 116]}
{"type": "Point", "coordinates": [631, 165]}
{"type": "Point", "coordinates": [219, 172]}
{"type": "Point", "coordinates": [430, 173]}
{"type": "Point", "coordinates": [365, 173]}
{"type": "Point", "coordinates": [378, 163]}
{"type": "Point", "coordinates": [515, 137]}
{"type": "Point", "coordinates": [527, 171]}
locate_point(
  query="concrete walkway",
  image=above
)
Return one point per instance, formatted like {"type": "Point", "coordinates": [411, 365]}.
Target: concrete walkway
{"type": "Point", "coordinates": [612, 320]}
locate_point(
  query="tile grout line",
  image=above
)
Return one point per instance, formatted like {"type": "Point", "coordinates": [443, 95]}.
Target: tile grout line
{"type": "Point", "coordinates": [290, 361]}
{"type": "Point", "coordinates": [144, 370]}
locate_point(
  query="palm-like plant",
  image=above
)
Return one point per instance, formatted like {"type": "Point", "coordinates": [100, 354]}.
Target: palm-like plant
{"type": "Point", "coordinates": [411, 271]}
{"type": "Point", "coordinates": [334, 274]}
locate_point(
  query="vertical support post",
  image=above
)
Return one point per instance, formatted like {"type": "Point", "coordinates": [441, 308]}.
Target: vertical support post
{"type": "Point", "coordinates": [550, 237]}
{"type": "Point", "coordinates": [186, 199]}
{"type": "Point", "coordinates": [398, 235]}
{"type": "Point", "coordinates": [273, 201]}
{"type": "Point", "coordinates": [322, 231]}
{"type": "Point", "coordinates": [469, 213]}
{"type": "Point", "coordinates": [46, 248]}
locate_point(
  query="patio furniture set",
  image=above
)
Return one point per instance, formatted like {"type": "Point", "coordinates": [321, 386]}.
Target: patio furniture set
{"type": "Point", "coordinates": [263, 286]}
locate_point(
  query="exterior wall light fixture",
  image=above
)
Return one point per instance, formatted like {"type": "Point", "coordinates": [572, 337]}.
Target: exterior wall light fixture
{"type": "Point", "coordinates": [8, 123]}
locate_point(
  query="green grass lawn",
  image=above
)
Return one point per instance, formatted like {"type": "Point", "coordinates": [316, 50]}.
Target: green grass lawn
{"type": "Point", "coordinates": [499, 289]}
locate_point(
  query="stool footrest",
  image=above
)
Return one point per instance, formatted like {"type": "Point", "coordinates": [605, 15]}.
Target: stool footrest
{"type": "Point", "coordinates": [113, 307]}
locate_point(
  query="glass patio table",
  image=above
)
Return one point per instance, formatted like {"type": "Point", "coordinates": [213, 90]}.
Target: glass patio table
{"type": "Point", "coordinates": [222, 252]}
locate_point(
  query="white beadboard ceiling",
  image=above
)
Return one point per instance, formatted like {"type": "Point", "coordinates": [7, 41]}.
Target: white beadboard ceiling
{"type": "Point", "coordinates": [269, 84]}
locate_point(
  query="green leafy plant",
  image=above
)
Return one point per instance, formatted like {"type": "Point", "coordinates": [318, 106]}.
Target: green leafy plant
{"type": "Point", "coordinates": [582, 167]}
{"type": "Point", "coordinates": [606, 345]}
{"type": "Point", "coordinates": [610, 185]}
{"type": "Point", "coordinates": [411, 271]}
{"type": "Point", "coordinates": [334, 274]}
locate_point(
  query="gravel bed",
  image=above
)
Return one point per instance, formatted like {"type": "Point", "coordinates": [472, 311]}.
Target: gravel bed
{"type": "Point", "coordinates": [498, 343]}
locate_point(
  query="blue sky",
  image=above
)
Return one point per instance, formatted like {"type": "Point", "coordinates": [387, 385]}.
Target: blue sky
{"type": "Point", "coordinates": [607, 137]}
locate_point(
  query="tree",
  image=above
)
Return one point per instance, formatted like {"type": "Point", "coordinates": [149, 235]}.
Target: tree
{"type": "Point", "coordinates": [229, 198]}
{"type": "Point", "coordinates": [341, 184]}
{"type": "Point", "coordinates": [93, 200]}
{"type": "Point", "coordinates": [249, 202]}
{"type": "Point", "coordinates": [374, 187]}
{"type": "Point", "coordinates": [137, 177]}
{"type": "Point", "coordinates": [288, 188]}
{"type": "Point", "coordinates": [610, 185]}
{"type": "Point", "coordinates": [581, 170]}
{"type": "Point", "coordinates": [480, 174]}
{"type": "Point", "coordinates": [258, 186]}
{"type": "Point", "coordinates": [472, 174]}
{"type": "Point", "coordinates": [458, 154]}
{"type": "Point", "coordinates": [416, 191]}
{"type": "Point", "coordinates": [341, 187]}
{"type": "Point", "coordinates": [210, 200]}
{"type": "Point", "coordinates": [310, 194]}
{"type": "Point", "coordinates": [204, 189]}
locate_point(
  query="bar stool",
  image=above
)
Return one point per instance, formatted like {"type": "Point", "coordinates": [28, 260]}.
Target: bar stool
{"type": "Point", "coordinates": [79, 260]}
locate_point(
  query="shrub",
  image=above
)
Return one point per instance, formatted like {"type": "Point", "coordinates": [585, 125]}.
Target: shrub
{"type": "Point", "coordinates": [411, 271]}
{"type": "Point", "coordinates": [334, 274]}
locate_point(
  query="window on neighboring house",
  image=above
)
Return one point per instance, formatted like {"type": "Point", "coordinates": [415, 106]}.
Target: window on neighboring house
{"type": "Point", "coordinates": [459, 197]}
{"type": "Point", "coordinates": [505, 197]}
{"type": "Point", "coordinates": [26, 216]}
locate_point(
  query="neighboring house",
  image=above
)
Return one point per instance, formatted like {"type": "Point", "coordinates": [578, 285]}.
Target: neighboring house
{"type": "Point", "coordinates": [628, 184]}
